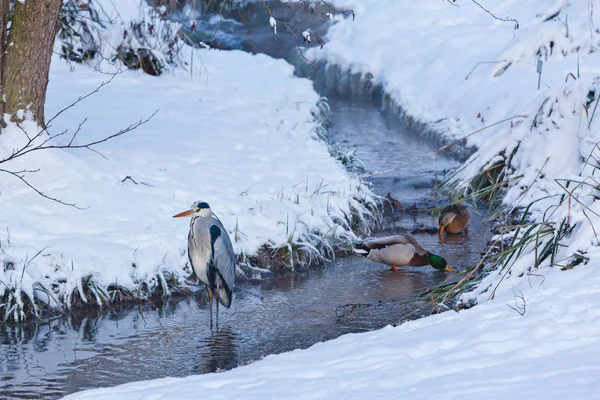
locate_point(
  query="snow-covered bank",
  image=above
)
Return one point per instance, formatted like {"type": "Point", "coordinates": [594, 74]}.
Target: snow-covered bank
{"type": "Point", "coordinates": [489, 351]}
{"type": "Point", "coordinates": [457, 69]}
{"type": "Point", "coordinates": [246, 142]}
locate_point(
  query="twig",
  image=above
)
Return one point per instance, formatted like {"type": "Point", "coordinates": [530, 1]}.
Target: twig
{"type": "Point", "coordinates": [506, 19]}
{"type": "Point", "coordinates": [521, 306]}
{"type": "Point", "coordinates": [538, 275]}
{"type": "Point", "coordinates": [479, 63]}
{"type": "Point", "coordinates": [298, 33]}
{"type": "Point", "coordinates": [29, 147]}
{"type": "Point", "coordinates": [18, 175]}
{"type": "Point", "coordinates": [37, 142]}
{"type": "Point", "coordinates": [81, 98]}
{"type": "Point", "coordinates": [88, 145]}
{"type": "Point", "coordinates": [137, 183]}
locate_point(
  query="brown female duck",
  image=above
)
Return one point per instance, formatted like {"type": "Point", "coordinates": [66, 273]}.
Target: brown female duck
{"type": "Point", "coordinates": [454, 219]}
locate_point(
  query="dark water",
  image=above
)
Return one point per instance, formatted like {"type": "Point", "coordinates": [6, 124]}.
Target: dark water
{"type": "Point", "coordinates": [49, 359]}
{"type": "Point", "coordinates": [246, 27]}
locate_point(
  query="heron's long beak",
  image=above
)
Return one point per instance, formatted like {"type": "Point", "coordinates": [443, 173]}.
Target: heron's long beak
{"type": "Point", "coordinates": [186, 213]}
{"type": "Point", "coordinates": [448, 268]}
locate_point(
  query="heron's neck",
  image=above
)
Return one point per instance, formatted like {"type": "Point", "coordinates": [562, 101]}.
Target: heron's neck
{"type": "Point", "coordinates": [201, 218]}
{"type": "Point", "coordinates": [195, 218]}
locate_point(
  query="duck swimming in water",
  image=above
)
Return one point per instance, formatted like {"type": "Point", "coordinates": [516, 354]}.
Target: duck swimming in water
{"type": "Point", "coordinates": [454, 219]}
{"type": "Point", "coordinates": [400, 250]}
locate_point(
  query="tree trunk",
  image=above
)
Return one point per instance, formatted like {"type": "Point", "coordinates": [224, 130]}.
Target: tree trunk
{"type": "Point", "coordinates": [4, 10]}
{"type": "Point", "coordinates": [26, 63]}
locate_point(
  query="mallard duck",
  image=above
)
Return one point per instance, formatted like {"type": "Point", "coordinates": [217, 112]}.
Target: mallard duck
{"type": "Point", "coordinates": [400, 250]}
{"type": "Point", "coordinates": [454, 219]}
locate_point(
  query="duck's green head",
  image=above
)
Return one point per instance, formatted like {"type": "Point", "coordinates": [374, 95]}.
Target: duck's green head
{"type": "Point", "coordinates": [438, 262]}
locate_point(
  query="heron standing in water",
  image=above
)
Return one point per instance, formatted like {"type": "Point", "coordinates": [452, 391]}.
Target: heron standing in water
{"type": "Point", "coordinates": [211, 254]}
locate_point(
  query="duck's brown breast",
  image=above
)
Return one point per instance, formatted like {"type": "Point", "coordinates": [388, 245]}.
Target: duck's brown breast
{"type": "Point", "coordinates": [418, 260]}
{"type": "Point", "coordinates": [458, 224]}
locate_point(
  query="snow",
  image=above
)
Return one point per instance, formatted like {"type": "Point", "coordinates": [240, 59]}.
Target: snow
{"type": "Point", "coordinates": [249, 147]}
{"type": "Point", "coordinates": [306, 36]}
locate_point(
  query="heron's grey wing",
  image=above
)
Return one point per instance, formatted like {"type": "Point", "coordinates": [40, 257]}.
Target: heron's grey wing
{"type": "Point", "coordinates": [387, 241]}
{"type": "Point", "coordinates": [224, 260]}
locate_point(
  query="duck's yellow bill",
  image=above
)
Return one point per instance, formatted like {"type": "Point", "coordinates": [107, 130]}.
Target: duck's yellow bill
{"type": "Point", "coordinates": [449, 268]}
{"type": "Point", "coordinates": [186, 213]}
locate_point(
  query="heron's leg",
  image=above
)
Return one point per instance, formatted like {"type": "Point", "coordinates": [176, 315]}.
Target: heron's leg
{"type": "Point", "coordinates": [210, 298]}
{"type": "Point", "coordinates": [217, 298]}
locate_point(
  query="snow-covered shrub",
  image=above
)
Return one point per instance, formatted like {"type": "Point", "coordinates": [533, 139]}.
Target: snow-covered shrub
{"type": "Point", "coordinates": [140, 37]}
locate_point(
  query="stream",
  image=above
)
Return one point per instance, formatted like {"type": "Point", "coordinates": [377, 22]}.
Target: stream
{"type": "Point", "coordinates": [289, 311]}
{"type": "Point", "coordinates": [54, 357]}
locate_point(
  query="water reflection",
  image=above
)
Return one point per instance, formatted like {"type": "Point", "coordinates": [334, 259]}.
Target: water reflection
{"type": "Point", "coordinates": [394, 285]}
{"type": "Point", "coordinates": [218, 351]}
{"type": "Point", "coordinates": [460, 239]}
{"type": "Point", "coordinates": [290, 281]}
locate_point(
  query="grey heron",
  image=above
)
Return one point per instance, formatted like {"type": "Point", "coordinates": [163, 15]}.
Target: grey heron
{"type": "Point", "coordinates": [211, 254]}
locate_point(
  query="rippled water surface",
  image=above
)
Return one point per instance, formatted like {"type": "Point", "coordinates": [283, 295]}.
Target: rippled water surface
{"type": "Point", "coordinates": [51, 358]}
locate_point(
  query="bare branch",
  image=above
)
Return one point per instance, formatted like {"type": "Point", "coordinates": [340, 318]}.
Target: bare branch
{"type": "Point", "coordinates": [306, 5]}
{"type": "Point", "coordinates": [77, 131]}
{"type": "Point", "coordinates": [36, 143]}
{"type": "Point", "coordinates": [297, 32]}
{"type": "Point", "coordinates": [506, 19]}
{"type": "Point", "coordinates": [291, 27]}
{"type": "Point", "coordinates": [20, 175]}
{"type": "Point", "coordinates": [128, 177]}
{"type": "Point", "coordinates": [30, 140]}
{"type": "Point", "coordinates": [81, 98]}
{"type": "Point", "coordinates": [330, 7]}
{"type": "Point", "coordinates": [28, 148]}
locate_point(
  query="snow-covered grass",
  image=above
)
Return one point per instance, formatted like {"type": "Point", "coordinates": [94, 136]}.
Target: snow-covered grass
{"type": "Point", "coordinates": [458, 70]}
{"type": "Point", "coordinates": [249, 147]}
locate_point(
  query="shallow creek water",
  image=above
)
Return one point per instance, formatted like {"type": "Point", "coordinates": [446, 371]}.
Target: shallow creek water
{"type": "Point", "coordinates": [51, 358]}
